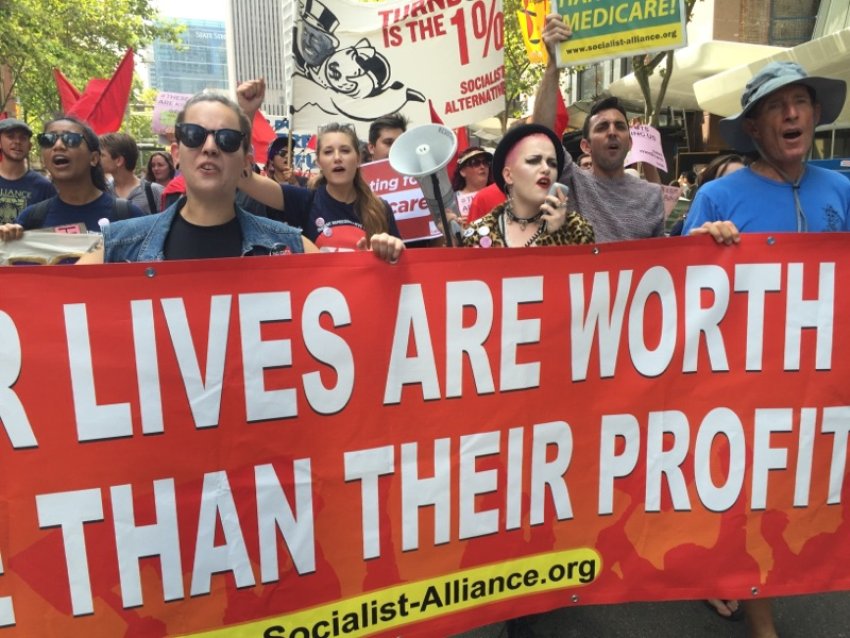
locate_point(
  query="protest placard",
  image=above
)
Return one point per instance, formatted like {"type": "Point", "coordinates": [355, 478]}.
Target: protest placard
{"type": "Point", "coordinates": [646, 147]}
{"type": "Point", "coordinates": [412, 216]}
{"type": "Point", "coordinates": [671, 195]}
{"type": "Point", "coordinates": [357, 62]}
{"type": "Point", "coordinates": [48, 246]}
{"type": "Point", "coordinates": [165, 110]}
{"type": "Point", "coordinates": [606, 29]}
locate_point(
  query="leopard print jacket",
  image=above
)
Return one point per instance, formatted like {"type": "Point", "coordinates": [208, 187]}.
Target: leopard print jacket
{"type": "Point", "coordinates": [486, 232]}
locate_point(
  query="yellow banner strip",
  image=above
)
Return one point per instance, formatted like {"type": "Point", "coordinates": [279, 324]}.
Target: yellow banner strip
{"type": "Point", "coordinates": [404, 604]}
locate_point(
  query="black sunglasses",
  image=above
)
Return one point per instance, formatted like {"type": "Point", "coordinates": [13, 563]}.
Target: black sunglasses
{"type": "Point", "coordinates": [475, 162]}
{"type": "Point", "coordinates": [69, 139]}
{"type": "Point", "coordinates": [194, 135]}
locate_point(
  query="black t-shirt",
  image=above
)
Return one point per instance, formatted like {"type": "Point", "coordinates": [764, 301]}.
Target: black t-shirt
{"type": "Point", "coordinates": [188, 241]}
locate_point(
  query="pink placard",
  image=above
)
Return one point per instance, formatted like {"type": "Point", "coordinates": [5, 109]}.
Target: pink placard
{"type": "Point", "coordinates": [646, 147]}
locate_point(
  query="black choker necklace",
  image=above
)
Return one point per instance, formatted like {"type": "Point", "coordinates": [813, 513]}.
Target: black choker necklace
{"type": "Point", "coordinates": [523, 222]}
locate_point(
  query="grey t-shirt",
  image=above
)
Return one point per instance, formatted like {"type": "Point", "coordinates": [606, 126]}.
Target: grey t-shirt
{"type": "Point", "coordinates": [620, 208]}
{"type": "Point", "coordinates": [140, 198]}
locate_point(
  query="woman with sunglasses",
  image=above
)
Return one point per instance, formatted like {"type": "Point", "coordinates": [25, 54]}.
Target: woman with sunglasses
{"type": "Point", "coordinates": [70, 151]}
{"type": "Point", "coordinates": [213, 138]}
{"type": "Point", "coordinates": [341, 212]}
{"type": "Point", "coordinates": [160, 168]}
{"type": "Point", "coordinates": [471, 174]}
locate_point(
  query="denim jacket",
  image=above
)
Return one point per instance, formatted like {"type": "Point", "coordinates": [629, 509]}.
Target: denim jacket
{"type": "Point", "coordinates": [143, 238]}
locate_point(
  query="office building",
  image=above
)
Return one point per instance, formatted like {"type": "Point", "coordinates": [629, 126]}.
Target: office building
{"type": "Point", "coordinates": [200, 62]}
{"type": "Point", "coordinates": [260, 39]}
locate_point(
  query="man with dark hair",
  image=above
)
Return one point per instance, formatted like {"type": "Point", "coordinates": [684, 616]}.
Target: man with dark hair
{"type": "Point", "coordinates": [119, 156]}
{"type": "Point", "coordinates": [19, 186]}
{"type": "Point", "coordinates": [383, 133]}
{"type": "Point", "coordinates": [618, 206]}
{"type": "Point", "coordinates": [585, 161]}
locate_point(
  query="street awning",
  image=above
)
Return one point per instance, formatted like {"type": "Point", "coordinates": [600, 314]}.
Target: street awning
{"type": "Point", "coordinates": [691, 64]}
{"type": "Point", "coordinates": [827, 56]}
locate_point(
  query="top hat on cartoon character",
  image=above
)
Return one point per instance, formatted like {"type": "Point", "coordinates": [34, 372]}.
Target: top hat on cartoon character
{"type": "Point", "coordinates": [315, 41]}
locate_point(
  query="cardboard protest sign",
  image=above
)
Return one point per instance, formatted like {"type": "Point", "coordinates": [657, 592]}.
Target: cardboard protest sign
{"type": "Point", "coordinates": [606, 29]}
{"type": "Point", "coordinates": [165, 110]}
{"type": "Point", "coordinates": [646, 147]}
{"type": "Point", "coordinates": [405, 197]}
{"type": "Point", "coordinates": [330, 445]}
{"type": "Point", "coordinates": [671, 195]}
{"type": "Point", "coordinates": [48, 246]}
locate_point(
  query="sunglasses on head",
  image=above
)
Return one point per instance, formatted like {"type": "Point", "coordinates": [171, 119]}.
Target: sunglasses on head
{"type": "Point", "coordinates": [69, 139]}
{"type": "Point", "coordinates": [193, 135]}
{"type": "Point", "coordinates": [475, 162]}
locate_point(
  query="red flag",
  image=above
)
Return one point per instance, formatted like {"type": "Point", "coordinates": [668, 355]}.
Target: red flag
{"type": "Point", "coordinates": [562, 116]}
{"type": "Point", "coordinates": [103, 102]}
{"type": "Point", "coordinates": [68, 93]}
{"type": "Point", "coordinates": [435, 117]}
{"type": "Point", "coordinates": [262, 134]}
{"type": "Point", "coordinates": [88, 99]}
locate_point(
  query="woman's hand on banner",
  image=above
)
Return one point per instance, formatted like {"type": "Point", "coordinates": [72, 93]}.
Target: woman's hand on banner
{"type": "Point", "coordinates": [384, 245]}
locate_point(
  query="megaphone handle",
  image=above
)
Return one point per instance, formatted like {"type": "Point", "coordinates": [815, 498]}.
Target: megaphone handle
{"type": "Point", "coordinates": [447, 231]}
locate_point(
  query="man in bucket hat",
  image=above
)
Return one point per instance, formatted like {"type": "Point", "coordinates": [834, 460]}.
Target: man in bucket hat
{"type": "Point", "coordinates": [779, 191]}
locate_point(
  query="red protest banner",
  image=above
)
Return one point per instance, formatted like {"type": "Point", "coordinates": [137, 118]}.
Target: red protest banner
{"type": "Point", "coordinates": [331, 445]}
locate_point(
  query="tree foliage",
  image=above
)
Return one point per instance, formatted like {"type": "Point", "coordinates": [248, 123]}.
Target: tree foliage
{"type": "Point", "coordinates": [83, 38]}
{"type": "Point", "coordinates": [521, 76]}
{"type": "Point", "coordinates": [139, 118]}
{"type": "Point", "coordinates": [645, 65]}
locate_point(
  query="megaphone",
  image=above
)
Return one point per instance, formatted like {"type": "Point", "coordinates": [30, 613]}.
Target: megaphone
{"type": "Point", "coordinates": [423, 153]}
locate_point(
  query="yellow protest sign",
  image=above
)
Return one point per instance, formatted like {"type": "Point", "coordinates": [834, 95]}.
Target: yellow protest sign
{"type": "Point", "coordinates": [605, 29]}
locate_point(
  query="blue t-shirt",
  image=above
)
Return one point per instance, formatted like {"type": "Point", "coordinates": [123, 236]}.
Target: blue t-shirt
{"type": "Point", "coordinates": [326, 221]}
{"type": "Point", "coordinates": [60, 213]}
{"type": "Point", "coordinates": [17, 194]}
{"type": "Point", "coordinates": [756, 204]}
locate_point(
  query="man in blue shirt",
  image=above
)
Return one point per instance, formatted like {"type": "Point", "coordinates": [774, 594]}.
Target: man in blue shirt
{"type": "Point", "coordinates": [779, 191]}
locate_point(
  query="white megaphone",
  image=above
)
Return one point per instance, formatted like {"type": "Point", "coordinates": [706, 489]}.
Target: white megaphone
{"type": "Point", "coordinates": [423, 152]}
